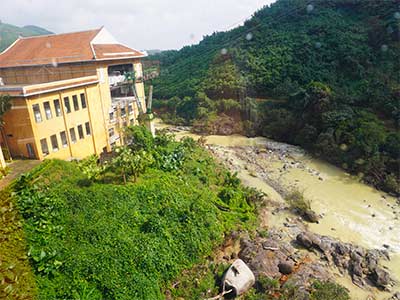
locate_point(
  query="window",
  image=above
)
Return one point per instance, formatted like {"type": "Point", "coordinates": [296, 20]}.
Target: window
{"type": "Point", "coordinates": [57, 107]}
{"type": "Point", "coordinates": [111, 132]}
{"type": "Point", "coordinates": [87, 126]}
{"type": "Point", "coordinates": [111, 114]}
{"type": "Point", "coordinates": [54, 142]}
{"type": "Point", "coordinates": [47, 110]}
{"type": "Point", "coordinates": [130, 109]}
{"type": "Point", "coordinates": [83, 101]}
{"type": "Point", "coordinates": [80, 132]}
{"type": "Point", "coordinates": [132, 121]}
{"type": "Point", "coordinates": [72, 134]}
{"type": "Point", "coordinates": [67, 105]}
{"type": "Point", "coordinates": [75, 101]}
{"type": "Point", "coordinates": [123, 112]}
{"type": "Point", "coordinates": [45, 148]}
{"type": "Point", "coordinates": [36, 112]}
{"type": "Point", "coordinates": [64, 141]}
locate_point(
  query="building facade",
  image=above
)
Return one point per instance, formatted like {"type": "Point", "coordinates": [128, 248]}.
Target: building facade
{"type": "Point", "coordinates": [72, 94]}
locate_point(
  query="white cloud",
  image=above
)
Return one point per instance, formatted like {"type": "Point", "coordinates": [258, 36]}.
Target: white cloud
{"type": "Point", "coordinates": [142, 24]}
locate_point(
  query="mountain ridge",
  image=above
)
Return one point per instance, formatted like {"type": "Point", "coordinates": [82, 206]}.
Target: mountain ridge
{"type": "Point", "coordinates": [9, 33]}
{"type": "Point", "coordinates": [332, 64]}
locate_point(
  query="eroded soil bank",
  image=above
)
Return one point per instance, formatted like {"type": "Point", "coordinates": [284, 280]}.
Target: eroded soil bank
{"type": "Point", "coordinates": [353, 215]}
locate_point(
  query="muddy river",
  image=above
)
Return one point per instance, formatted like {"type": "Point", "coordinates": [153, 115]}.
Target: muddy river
{"type": "Point", "coordinates": [352, 211]}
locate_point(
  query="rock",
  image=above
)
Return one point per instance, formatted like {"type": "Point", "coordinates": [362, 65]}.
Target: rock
{"type": "Point", "coordinates": [356, 269]}
{"type": "Point", "coordinates": [358, 281]}
{"type": "Point", "coordinates": [396, 296]}
{"type": "Point", "coordinates": [304, 240]}
{"type": "Point", "coordinates": [380, 277]}
{"type": "Point", "coordinates": [372, 261]}
{"type": "Point", "coordinates": [234, 235]}
{"type": "Point", "coordinates": [270, 244]}
{"type": "Point", "coordinates": [286, 267]}
{"type": "Point", "coordinates": [341, 249]}
{"type": "Point", "coordinates": [385, 254]}
{"type": "Point", "coordinates": [311, 216]}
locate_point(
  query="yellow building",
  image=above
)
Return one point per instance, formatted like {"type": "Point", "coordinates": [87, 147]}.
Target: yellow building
{"type": "Point", "coordinates": [70, 96]}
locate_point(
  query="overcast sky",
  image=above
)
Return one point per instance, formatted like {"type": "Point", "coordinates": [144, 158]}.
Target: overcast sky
{"type": "Point", "coordinates": [141, 24]}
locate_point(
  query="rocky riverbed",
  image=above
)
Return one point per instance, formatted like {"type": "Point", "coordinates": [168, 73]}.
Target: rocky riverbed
{"type": "Point", "coordinates": [357, 241]}
{"type": "Point", "coordinates": [304, 255]}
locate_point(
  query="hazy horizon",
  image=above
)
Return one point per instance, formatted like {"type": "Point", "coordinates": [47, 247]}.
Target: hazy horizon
{"type": "Point", "coordinates": [160, 24]}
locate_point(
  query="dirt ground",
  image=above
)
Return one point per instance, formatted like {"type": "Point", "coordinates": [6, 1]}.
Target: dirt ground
{"type": "Point", "coordinates": [17, 168]}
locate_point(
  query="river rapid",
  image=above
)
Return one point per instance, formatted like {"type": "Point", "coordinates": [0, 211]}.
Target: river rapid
{"type": "Point", "coordinates": [351, 211]}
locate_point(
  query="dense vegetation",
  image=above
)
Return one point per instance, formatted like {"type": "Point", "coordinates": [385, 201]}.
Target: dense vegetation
{"type": "Point", "coordinates": [123, 228]}
{"type": "Point", "coordinates": [16, 278]}
{"type": "Point", "coordinates": [9, 33]}
{"type": "Point", "coordinates": [320, 74]}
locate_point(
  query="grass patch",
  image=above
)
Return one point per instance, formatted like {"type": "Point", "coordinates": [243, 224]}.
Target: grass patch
{"type": "Point", "coordinates": [270, 289]}
{"type": "Point", "coordinates": [298, 202]}
{"type": "Point", "coordinates": [301, 206]}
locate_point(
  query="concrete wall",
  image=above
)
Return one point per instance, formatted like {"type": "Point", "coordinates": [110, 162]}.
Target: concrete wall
{"type": "Point", "coordinates": [21, 127]}
{"type": "Point", "coordinates": [18, 129]}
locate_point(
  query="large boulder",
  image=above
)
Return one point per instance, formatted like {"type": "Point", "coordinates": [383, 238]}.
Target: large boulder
{"type": "Point", "coordinates": [286, 267]}
{"type": "Point", "coordinates": [304, 240]}
{"type": "Point", "coordinates": [310, 216]}
{"type": "Point", "coordinates": [380, 277]}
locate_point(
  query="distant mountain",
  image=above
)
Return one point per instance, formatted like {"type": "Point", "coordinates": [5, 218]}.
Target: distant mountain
{"type": "Point", "coordinates": [153, 51]}
{"type": "Point", "coordinates": [9, 33]}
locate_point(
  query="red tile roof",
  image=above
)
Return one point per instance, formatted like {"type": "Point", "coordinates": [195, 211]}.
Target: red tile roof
{"type": "Point", "coordinates": [25, 90]}
{"type": "Point", "coordinates": [107, 51]}
{"type": "Point", "coordinates": [62, 48]}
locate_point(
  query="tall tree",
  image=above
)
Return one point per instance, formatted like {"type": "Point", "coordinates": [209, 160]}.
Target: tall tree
{"type": "Point", "coordinates": [5, 105]}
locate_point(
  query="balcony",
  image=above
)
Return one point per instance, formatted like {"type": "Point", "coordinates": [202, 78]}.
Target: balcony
{"type": "Point", "coordinates": [114, 80]}
{"type": "Point", "coordinates": [114, 139]}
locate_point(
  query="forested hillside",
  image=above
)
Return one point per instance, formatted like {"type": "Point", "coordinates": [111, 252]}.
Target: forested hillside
{"type": "Point", "coordinates": [322, 74]}
{"type": "Point", "coordinates": [9, 33]}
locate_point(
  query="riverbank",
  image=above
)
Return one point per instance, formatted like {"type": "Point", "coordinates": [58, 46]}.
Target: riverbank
{"type": "Point", "coordinates": [279, 170]}
{"type": "Point", "coordinates": [351, 212]}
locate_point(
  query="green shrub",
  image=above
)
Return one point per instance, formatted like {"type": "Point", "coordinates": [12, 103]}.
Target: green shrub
{"type": "Point", "coordinates": [298, 202]}
{"type": "Point", "coordinates": [107, 241]}
{"type": "Point", "coordinates": [328, 291]}
{"type": "Point", "coordinates": [139, 138]}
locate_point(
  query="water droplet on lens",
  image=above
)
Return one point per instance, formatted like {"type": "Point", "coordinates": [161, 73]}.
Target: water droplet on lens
{"type": "Point", "coordinates": [249, 36]}
{"type": "Point", "coordinates": [318, 45]}
{"type": "Point", "coordinates": [48, 45]}
{"type": "Point", "coordinates": [310, 8]}
{"type": "Point", "coordinates": [54, 63]}
{"type": "Point", "coordinates": [390, 29]}
{"type": "Point", "coordinates": [384, 48]}
{"type": "Point", "coordinates": [397, 15]}
{"type": "Point", "coordinates": [224, 51]}
{"type": "Point", "coordinates": [192, 36]}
